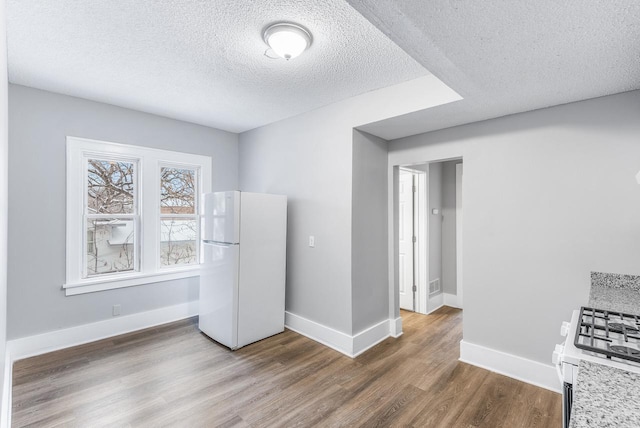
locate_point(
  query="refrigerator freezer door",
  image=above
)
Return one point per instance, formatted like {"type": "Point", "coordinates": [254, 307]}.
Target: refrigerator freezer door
{"type": "Point", "coordinates": [221, 217]}
{"type": "Point", "coordinates": [219, 294]}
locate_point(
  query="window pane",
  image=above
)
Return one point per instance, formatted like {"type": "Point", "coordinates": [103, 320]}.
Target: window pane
{"type": "Point", "coordinates": [177, 242]}
{"type": "Point", "coordinates": [110, 187]}
{"type": "Point", "coordinates": [110, 246]}
{"type": "Point", "coordinates": [177, 191]}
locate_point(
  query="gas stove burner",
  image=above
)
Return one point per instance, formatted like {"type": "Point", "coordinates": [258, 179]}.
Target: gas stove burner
{"type": "Point", "coordinates": [618, 326]}
{"type": "Point", "coordinates": [625, 350]}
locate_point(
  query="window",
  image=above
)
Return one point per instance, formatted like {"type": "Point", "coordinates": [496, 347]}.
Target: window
{"type": "Point", "coordinates": [132, 214]}
{"type": "Point", "coordinates": [111, 217]}
{"type": "Point", "coordinates": [178, 216]}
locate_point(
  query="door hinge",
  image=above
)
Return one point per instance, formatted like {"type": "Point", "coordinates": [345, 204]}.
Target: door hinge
{"type": "Point", "coordinates": [414, 189]}
{"type": "Point", "coordinates": [414, 240]}
{"type": "Point", "coordinates": [415, 288]}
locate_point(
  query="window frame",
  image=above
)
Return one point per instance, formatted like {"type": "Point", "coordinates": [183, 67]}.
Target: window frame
{"type": "Point", "coordinates": [149, 164]}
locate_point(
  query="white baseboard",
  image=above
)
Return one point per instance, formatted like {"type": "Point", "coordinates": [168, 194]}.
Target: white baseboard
{"type": "Point", "coordinates": [451, 300]}
{"type": "Point", "coordinates": [395, 327]}
{"type": "Point", "coordinates": [30, 346]}
{"type": "Point", "coordinates": [349, 345]}
{"type": "Point", "coordinates": [5, 413]}
{"type": "Point", "coordinates": [370, 337]}
{"type": "Point", "coordinates": [519, 368]}
{"type": "Point", "coordinates": [334, 339]}
{"type": "Point", "coordinates": [435, 309]}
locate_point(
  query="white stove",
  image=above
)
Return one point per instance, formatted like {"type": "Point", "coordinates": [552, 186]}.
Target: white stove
{"type": "Point", "coordinates": [597, 336]}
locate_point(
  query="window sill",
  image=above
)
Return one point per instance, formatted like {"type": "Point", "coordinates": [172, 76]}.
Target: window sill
{"type": "Point", "coordinates": [101, 284]}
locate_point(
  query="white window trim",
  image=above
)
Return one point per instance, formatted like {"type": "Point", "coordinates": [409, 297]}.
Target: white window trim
{"type": "Point", "coordinates": [149, 163]}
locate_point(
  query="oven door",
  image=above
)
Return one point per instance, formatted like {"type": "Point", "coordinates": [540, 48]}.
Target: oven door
{"type": "Point", "coordinates": [567, 402]}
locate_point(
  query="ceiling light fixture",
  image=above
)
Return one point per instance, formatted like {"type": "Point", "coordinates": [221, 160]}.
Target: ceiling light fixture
{"type": "Point", "coordinates": [287, 40]}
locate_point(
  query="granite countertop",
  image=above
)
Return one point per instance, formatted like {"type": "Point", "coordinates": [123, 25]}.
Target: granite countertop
{"type": "Point", "coordinates": [615, 292]}
{"type": "Point", "coordinates": [615, 299]}
{"type": "Point", "coordinates": [605, 397]}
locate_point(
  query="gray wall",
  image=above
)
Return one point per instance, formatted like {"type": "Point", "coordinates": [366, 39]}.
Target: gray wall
{"type": "Point", "coordinates": [4, 198]}
{"type": "Point", "coordinates": [434, 197]}
{"type": "Point", "coordinates": [309, 158]}
{"type": "Point", "coordinates": [39, 121]}
{"type": "Point", "coordinates": [549, 196]}
{"type": "Point", "coordinates": [369, 272]}
{"type": "Point", "coordinates": [449, 227]}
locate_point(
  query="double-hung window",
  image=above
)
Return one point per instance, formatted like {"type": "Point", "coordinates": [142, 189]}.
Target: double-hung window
{"type": "Point", "coordinates": [111, 216]}
{"type": "Point", "coordinates": [132, 214]}
{"type": "Point", "coordinates": [178, 215]}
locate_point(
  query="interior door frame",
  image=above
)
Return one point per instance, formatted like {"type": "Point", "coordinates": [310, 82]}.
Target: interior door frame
{"type": "Point", "coordinates": [421, 228]}
{"type": "Point", "coordinates": [459, 218]}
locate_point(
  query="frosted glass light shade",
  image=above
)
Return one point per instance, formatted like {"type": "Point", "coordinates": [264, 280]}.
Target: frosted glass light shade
{"type": "Point", "coordinates": [287, 40]}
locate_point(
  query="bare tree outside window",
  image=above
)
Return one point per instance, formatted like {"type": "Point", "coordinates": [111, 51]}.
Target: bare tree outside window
{"type": "Point", "coordinates": [110, 187]}
{"type": "Point", "coordinates": [178, 221]}
{"type": "Point", "coordinates": [111, 212]}
{"type": "Point", "coordinates": [177, 191]}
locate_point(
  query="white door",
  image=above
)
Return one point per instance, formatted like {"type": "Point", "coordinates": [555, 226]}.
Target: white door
{"type": "Point", "coordinates": [405, 259]}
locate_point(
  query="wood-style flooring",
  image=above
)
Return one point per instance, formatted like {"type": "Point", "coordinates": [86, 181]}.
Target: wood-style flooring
{"type": "Point", "coordinates": [174, 376]}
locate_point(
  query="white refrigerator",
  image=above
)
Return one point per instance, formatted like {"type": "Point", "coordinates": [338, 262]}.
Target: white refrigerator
{"type": "Point", "coordinates": [242, 278]}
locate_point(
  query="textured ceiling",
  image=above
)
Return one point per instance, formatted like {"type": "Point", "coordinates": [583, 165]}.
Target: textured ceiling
{"type": "Point", "coordinates": [202, 61]}
{"type": "Point", "coordinates": [199, 60]}
{"type": "Point", "coordinates": [510, 56]}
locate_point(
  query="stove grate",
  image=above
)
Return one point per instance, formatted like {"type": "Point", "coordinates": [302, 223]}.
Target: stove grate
{"type": "Point", "coordinates": [609, 333]}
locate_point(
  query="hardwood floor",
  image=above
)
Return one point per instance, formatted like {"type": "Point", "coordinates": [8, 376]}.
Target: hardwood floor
{"type": "Point", "coordinates": [175, 376]}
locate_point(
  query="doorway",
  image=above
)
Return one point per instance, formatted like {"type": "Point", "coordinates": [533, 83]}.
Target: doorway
{"type": "Point", "coordinates": [429, 236]}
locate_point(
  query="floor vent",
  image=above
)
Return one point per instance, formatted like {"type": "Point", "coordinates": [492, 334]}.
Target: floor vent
{"type": "Point", "coordinates": [434, 286]}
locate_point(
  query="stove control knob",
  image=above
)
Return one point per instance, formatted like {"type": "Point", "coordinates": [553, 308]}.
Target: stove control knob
{"type": "Point", "coordinates": [556, 357]}
{"type": "Point", "coordinates": [564, 329]}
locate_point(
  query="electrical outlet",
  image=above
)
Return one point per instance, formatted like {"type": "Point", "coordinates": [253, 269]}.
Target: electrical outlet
{"type": "Point", "coordinates": [116, 310]}
{"type": "Point", "coordinates": [312, 241]}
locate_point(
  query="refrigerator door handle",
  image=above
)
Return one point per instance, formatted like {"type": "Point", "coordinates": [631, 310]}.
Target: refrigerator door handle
{"type": "Point", "coordinates": [222, 244]}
